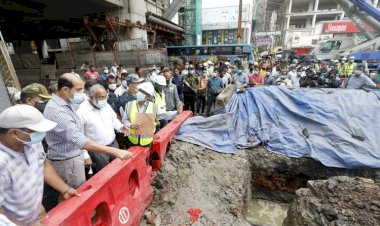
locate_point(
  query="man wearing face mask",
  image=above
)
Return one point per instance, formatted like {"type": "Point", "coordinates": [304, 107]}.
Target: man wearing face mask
{"type": "Point", "coordinates": [104, 75]}
{"type": "Point", "coordinates": [349, 67]}
{"type": "Point", "coordinates": [294, 76]}
{"type": "Point", "coordinates": [35, 95]}
{"type": "Point", "coordinates": [332, 79]}
{"type": "Point", "coordinates": [23, 165]}
{"type": "Point", "coordinates": [68, 140]}
{"type": "Point", "coordinates": [112, 98]}
{"type": "Point", "coordinates": [142, 104]}
{"type": "Point", "coordinates": [132, 80]}
{"type": "Point", "coordinates": [185, 71]}
{"type": "Point", "coordinates": [100, 123]}
{"type": "Point", "coordinates": [123, 88]}
{"type": "Point", "coordinates": [359, 80]}
{"type": "Point", "coordinates": [190, 84]}
{"type": "Point", "coordinates": [171, 94]}
{"type": "Point", "coordinates": [240, 80]}
{"type": "Point", "coordinates": [214, 87]}
{"type": "Point", "coordinates": [201, 96]}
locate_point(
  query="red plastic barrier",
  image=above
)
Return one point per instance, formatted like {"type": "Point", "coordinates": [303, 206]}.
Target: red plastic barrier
{"type": "Point", "coordinates": [117, 195]}
{"type": "Point", "coordinates": [162, 139]}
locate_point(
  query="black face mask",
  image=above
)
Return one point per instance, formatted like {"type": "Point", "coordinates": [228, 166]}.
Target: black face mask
{"type": "Point", "coordinates": [41, 106]}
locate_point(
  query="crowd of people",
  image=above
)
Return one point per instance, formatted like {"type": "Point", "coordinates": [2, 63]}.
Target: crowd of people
{"type": "Point", "coordinates": [63, 134]}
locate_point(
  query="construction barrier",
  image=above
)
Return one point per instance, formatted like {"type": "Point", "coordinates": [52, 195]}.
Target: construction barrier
{"type": "Point", "coordinates": [117, 195]}
{"type": "Point", "coordinates": [162, 139]}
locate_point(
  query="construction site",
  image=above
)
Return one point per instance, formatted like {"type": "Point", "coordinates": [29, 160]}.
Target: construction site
{"type": "Point", "coordinates": [273, 156]}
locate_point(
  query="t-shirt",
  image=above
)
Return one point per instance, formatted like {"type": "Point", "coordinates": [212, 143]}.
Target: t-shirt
{"type": "Point", "coordinates": [358, 82]}
{"type": "Point", "coordinates": [89, 75]}
{"type": "Point", "coordinates": [253, 79]}
{"type": "Point", "coordinates": [214, 85]}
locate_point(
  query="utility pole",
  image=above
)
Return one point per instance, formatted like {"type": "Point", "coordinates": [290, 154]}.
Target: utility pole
{"type": "Point", "coordinates": [239, 21]}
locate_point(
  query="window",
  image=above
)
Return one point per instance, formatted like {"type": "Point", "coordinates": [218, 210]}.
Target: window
{"type": "Point", "coordinates": [330, 45]}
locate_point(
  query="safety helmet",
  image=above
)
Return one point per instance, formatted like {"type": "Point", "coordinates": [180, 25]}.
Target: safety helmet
{"type": "Point", "coordinates": [352, 58]}
{"type": "Point", "coordinates": [344, 59]}
{"type": "Point", "coordinates": [160, 80]}
{"type": "Point", "coordinates": [147, 87]}
{"type": "Point", "coordinates": [210, 62]}
{"type": "Point", "coordinates": [256, 63]}
{"type": "Point", "coordinates": [205, 64]}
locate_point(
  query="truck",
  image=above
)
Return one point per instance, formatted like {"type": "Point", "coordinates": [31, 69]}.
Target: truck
{"type": "Point", "coordinates": [358, 11]}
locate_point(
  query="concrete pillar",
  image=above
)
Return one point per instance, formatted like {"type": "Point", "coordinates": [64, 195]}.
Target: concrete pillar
{"type": "Point", "coordinates": [133, 10]}
{"type": "Point", "coordinates": [316, 5]}
{"type": "Point", "coordinates": [314, 20]}
{"type": "Point", "coordinates": [290, 5]}
{"type": "Point", "coordinates": [375, 3]}
{"type": "Point", "coordinates": [311, 6]}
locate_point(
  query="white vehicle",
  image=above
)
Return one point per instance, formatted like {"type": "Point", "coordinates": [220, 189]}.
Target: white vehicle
{"type": "Point", "coordinates": [332, 48]}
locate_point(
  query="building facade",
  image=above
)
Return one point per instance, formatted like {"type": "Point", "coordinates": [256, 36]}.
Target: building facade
{"type": "Point", "coordinates": [220, 25]}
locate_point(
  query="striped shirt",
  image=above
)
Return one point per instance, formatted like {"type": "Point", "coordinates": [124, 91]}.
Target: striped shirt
{"type": "Point", "coordinates": [22, 181]}
{"type": "Point", "coordinates": [67, 139]}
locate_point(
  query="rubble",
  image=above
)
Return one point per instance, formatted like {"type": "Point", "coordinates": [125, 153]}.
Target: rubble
{"type": "Point", "coordinates": [338, 201]}
{"type": "Point", "coordinates": [221, 185]}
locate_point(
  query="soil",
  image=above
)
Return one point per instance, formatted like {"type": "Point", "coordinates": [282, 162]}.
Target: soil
{"type": "Point", "coordinates": [220, 185]}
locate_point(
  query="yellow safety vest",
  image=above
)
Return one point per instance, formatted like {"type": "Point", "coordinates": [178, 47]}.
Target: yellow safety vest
{"type": "Point", "coordinates": [317, 67]}
{"type": "Point", "coordinates": [160, 100]}
{"type": "Point", "coordinates": [132, 110]}
{"type": "Point", "coordinates": [340, 69]}
{"type": "Point", "coordinates": [349, 69]}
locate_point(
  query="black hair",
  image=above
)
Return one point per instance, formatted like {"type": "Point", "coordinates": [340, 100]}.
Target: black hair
{"type": "Point", "coordinates": [104, 84]}
{"type": "Point", "coordinates": [25, 96]}
{"type": "Point", "coordinates": [124, 75]}
{"type": "Point", "coordinates": [92, 66]}
{"type": "Point", "coordinates": [64, 82]}
{"type": "Point", "coordinates": [110, 77]}
{"type": "Point", "coordinates": [3, 130]}
{"type": "Point", "coordinates": [88, 84]}
{"type": "Point", "coordinates": [137, 68]}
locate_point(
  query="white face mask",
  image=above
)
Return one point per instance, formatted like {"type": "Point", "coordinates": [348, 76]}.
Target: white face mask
{"type": "Point", "coordinates": [112, 86]}
{"type": "Point", "coordinates": [140, 96]}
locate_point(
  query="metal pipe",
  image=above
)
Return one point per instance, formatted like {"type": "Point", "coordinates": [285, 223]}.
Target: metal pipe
{"type": "Point", "coordinates": [164, 23]}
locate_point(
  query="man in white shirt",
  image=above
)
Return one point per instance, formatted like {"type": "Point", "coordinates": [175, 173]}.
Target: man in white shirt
{"type": "Point", "coordinates": [294, 76]}
{"type": "Point", "coordinates": [100, 122]}
{"type": "Point", "coordinates": [123, 87]}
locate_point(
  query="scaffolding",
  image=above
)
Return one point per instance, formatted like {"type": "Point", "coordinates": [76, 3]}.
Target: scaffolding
{"type": "Point", "coordinates": [192, 22]}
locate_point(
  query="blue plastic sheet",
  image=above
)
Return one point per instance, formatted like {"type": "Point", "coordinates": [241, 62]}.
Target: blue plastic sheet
{"type": "Point", "coordinates": [337, 127]}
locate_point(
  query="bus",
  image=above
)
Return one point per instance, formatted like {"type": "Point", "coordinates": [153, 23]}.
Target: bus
{"type": "Point", "coordinates": [210, 52]}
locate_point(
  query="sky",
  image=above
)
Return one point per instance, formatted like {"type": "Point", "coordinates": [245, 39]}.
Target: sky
{"type": "Point", "coordinates": [220, 3]}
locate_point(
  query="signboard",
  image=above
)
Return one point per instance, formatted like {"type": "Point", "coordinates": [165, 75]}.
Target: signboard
{"type": "Point", "coordinates": [263, 41]}
{"type": "Point", "coordinates": [339, 27]}
{"type": "Point", "coordinates": [223, 17]}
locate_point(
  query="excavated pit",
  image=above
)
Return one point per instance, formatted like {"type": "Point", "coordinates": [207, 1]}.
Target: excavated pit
{"type": "Point", "coordinates": [222, 186]}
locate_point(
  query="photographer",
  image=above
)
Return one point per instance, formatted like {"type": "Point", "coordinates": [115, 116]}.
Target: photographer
{"type": "Point", "coordinates": [312, 79]}
{"type": "Point", "coordinates": [332, 79]}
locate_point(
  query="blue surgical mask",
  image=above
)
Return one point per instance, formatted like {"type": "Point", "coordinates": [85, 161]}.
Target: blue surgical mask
{"type": "Point", "coordinates": [140, 96]}
{"type": "Point", "coordinates": [101, 103]}
{"type": "Point", "coordinates": [35, 137]}
{"type": "Point", "coordinates": [78, 98]}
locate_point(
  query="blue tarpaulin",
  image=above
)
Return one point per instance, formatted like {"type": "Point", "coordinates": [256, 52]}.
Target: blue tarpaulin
{"type": "Point", "coordinates": [337, 127]}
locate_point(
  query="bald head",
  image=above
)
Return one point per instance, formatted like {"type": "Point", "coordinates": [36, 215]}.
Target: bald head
{"type": "Point", "coordinates": [68, 85]}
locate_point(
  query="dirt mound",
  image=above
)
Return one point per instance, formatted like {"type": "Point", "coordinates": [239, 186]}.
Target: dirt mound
{"type": "Point", "coordinates": [193, 177]}
{"type": "Point", "coordinates": [338, 201]}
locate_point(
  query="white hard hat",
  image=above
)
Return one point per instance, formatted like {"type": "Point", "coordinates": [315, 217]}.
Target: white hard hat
{"type": "Point", "coordinates": [352, 58]}
{"type": "Point", "coordinates": [320, 59]}
{"type": "Point", "coordinates": [226, 63]}
{"type": "Point", "coordinates": [210, 62]}
{"type": "Point", "coordinates": [146, 87]}
{"type": "Point", "coordinates": [205, 64]}
{"type": "Point", "coordinates": [344, 59]}
{"type": "Point", "coordinates": [160, 80]}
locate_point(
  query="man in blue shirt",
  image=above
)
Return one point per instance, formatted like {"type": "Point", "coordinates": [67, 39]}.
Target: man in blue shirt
{"type": "Point", "coordinates": [214, 87]}
{"type": "Point", "coordinates": [177, 80]}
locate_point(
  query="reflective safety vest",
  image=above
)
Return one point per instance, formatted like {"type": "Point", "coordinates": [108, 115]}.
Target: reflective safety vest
{"type": "Point", "coordinates": [317, 67]}
{"type": "Point", "coordinates": [348, 69]}
{"type": "Point", "coordinates": [132, 110]}
{"type": "Point", "coordinates": [340, 69]}
{"type": "Point", "coordinates": [160, 100]}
